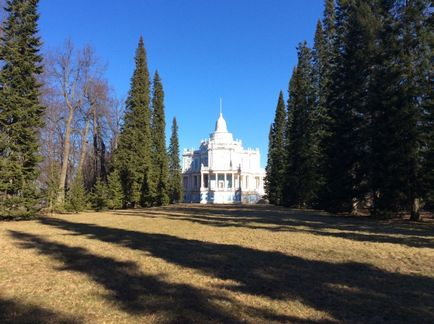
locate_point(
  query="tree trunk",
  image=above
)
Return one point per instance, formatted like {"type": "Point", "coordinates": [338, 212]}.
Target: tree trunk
{"type": "Point", "coordinates": [65, 159]}
{"type": "Point", "coordinates": [415, 210]}
{"type": "Point", "coordinates": [83, 147]}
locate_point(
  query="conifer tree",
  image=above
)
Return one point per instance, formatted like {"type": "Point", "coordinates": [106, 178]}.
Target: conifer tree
{"type": "Point", "coordinates": [175, 176]}
{"type": "Point", "coordinates": [20, 109]}
{"type": "Point", "coordinates": [416, 99]}
{"type": "Point", "coordinates": [287, 191]}
{"type": "Point", "coordinates": [275, 168]}
{"type": "Point", "coordinates": [159, 143]}
{"type": "Point", "coordinates": [76, 199]}
{"type": "Point", "coordinates": [348, 165]}
{"type": "Point", "coordinates": [100, 195]}
{"type": "Point", "coordinates": [114, 190]}
{"type": "Point", "coordinates": [302, 165]}
{"type": "Point", "coordinates": [321, 81]}
{"type": "Point", "coordinates": [329, 24]}
{"type": "Point", "coordinates": [392, 123]}
{"type": "Point", "coordinates": [133, 157]}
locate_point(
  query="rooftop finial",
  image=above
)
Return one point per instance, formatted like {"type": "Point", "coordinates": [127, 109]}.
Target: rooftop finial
{"type": "Point", "coordinates": [220, 106]}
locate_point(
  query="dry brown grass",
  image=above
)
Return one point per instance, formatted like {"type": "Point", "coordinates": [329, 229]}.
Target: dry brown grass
{"type": "Point", "coordinates": [193, 263]}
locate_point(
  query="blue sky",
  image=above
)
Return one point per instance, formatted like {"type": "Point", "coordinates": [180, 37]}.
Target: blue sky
{"type": "Point", "coordinates": [240, 50]}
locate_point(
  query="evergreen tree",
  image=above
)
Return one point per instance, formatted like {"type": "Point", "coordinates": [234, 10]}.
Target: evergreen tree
{"type": "Point", "coordinates": [100, 195]}
{"type": "Point", "coordinates": [76, 200]}
{"type": "Point", "coordinates": [114, 190]}
{"type": "Point", "coordinates": [329, 25]}
{"type": "Point", "coordinates": [159, 137]}
{"type": "Point", "coordinates": [326, 48]}
{"type": "Point", "coordinates": [175, 176]}
{"type": "Point", "coordinates": [347, 147]}
{"type": "Point", "coordinates": [416, 100]}
{"type": "Point", "coordinates": [427, 37]}
{"type": "Point", "coordinates": [302, 164]}
{"type": "Point", "coordinates": [275, 168]}
{"type": "Point", "coordinates": [20, 110]}
{"type": "Point", "coordinates": [321, 79]}
{"type": "Point", "coordinates": [133, 157]}
{"type": "Point", "coordinates": [383, 106]}
{"type": "Point", "coordinates": [395, 105]}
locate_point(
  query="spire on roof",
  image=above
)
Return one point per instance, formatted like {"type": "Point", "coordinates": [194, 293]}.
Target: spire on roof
{"type": "Point", "coordinates": [220, 126]}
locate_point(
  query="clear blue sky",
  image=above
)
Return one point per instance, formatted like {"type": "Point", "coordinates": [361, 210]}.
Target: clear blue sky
{"type": "Point", "coordinates": [240, 50]}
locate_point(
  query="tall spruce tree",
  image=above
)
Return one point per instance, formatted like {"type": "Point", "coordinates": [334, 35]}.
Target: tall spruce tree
{"type": "Point", "coordinates": [398, 60]}
{"type": "Point", "coordinates": [133, 156]}
{"type": "Point", "coordinates": [20, 109]}
{"type": "Point", "coordinates": [114, 190]}
{"type": "Point", "coordinates": [326, 49]}
{"type": "Point", "coordinates": [329, 24]}
{"type": "Point", "coordinates": [321, 79]}
{"type": "Point", "coordinates": [416, 98]}
{"type": "Point", "coordinates": [427, 37]}
{"type": "Point", "coordinates": [175, 176]}
{"type": "Point", "coordinates": [159, 142]}
{"type": "Point", "coordinates": [275, 168]}
{"type": "Point", "coordinates": [302, 164]}
{"type": "Point", "coordinates": [348, 145]}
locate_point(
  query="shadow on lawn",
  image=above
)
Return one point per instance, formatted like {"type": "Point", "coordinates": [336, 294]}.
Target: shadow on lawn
{"type": "Point", "coordinates": [282, 219]}
{"type": "Point", "coordinates": [12, 311]}
{"type": "Point", "coordinates": [347, 291]}
{"type": "Point", "coordinates": [138, 293]}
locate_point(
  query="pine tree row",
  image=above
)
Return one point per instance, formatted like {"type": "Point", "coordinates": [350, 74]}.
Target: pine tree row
{"type": "Point", "coordinates": [357, 132]}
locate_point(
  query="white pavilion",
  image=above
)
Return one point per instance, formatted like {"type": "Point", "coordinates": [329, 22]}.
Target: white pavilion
{"type": "Point", "coordinates": [221, 171]}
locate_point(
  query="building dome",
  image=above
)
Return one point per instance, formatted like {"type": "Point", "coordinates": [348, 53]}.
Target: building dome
{"type": "Point", "coordinates": [220, 126]}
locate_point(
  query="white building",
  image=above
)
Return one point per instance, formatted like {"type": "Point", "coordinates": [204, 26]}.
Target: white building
{"type": "Point", "coordinates": [222, 171]}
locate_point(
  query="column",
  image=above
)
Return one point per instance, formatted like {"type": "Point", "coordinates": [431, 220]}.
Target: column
{"type": "Point", "coordinates": [201, 180]}
{"type": "Point", "coordinates": [225, 182]}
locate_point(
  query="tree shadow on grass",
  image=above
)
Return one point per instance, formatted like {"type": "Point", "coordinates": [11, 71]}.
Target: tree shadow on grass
{"type": "Point", "coordinates": [361, 229]}
{"type": "Point", "coordinates": [12, 311]}
{"type": "Point", "coordinates": [137, 293]}
{"type": "Point", "coordinates": [347, 291]}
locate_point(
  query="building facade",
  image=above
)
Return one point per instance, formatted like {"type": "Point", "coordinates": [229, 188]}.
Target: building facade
{"type": "Point", "coordinates": [221, 171]}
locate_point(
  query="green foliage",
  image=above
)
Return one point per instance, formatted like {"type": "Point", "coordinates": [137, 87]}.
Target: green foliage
{"type": "Point", "coordinates": [175, 173]}
{"type": "Point", "coordinates": [360, 118]}
{"type": "Point", "coordinates": [52, 187]}
{"type": "Point", "coordinates": [76, 199]}
{"type": "Point", "coordinates": [133, 156]}
{"type": "Point", "coordinates": [100, 196]}
{"type": "Point", "coordinates": [275, 169]}
{"type": "Point", "coordinates": [20, 110]}
{"type": "Point", "coordinates": [114, 189]}
{"type": "Point", "coordinates": [302, 180]}
{"type": "Point", "coordinates": [159, 155]}
{"type": "Point", "coordinates": [348, 145]}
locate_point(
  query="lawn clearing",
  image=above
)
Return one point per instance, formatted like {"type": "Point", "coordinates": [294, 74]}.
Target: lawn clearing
{"type": "Point", "coordinates": [192, 263]}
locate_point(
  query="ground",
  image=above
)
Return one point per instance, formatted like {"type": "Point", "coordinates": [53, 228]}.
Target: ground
{"type": "Point", "coordinates": [192, 263]}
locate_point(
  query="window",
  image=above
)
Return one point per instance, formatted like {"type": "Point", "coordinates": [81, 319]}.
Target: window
{"type": "Point", "coordinates": [229, 180]}
{"type": "Point", "coordinates": [221, 180]}
{"type": "Point", "coordinates": [212, 181]}
{"type": "Point", "coordinates": [205, 180]}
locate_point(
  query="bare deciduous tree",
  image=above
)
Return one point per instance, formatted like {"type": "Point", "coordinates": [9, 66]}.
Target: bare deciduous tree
{"type": "Point", "coordinates": [73, 74]}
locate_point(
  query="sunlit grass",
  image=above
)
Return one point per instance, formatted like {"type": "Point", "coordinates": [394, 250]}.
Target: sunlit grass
{"type": "Point", "coordinates": [192, 263]}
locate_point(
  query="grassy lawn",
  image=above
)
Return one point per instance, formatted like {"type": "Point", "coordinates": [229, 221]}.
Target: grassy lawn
{"type": "Point", "coordinates": [193, 263]}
